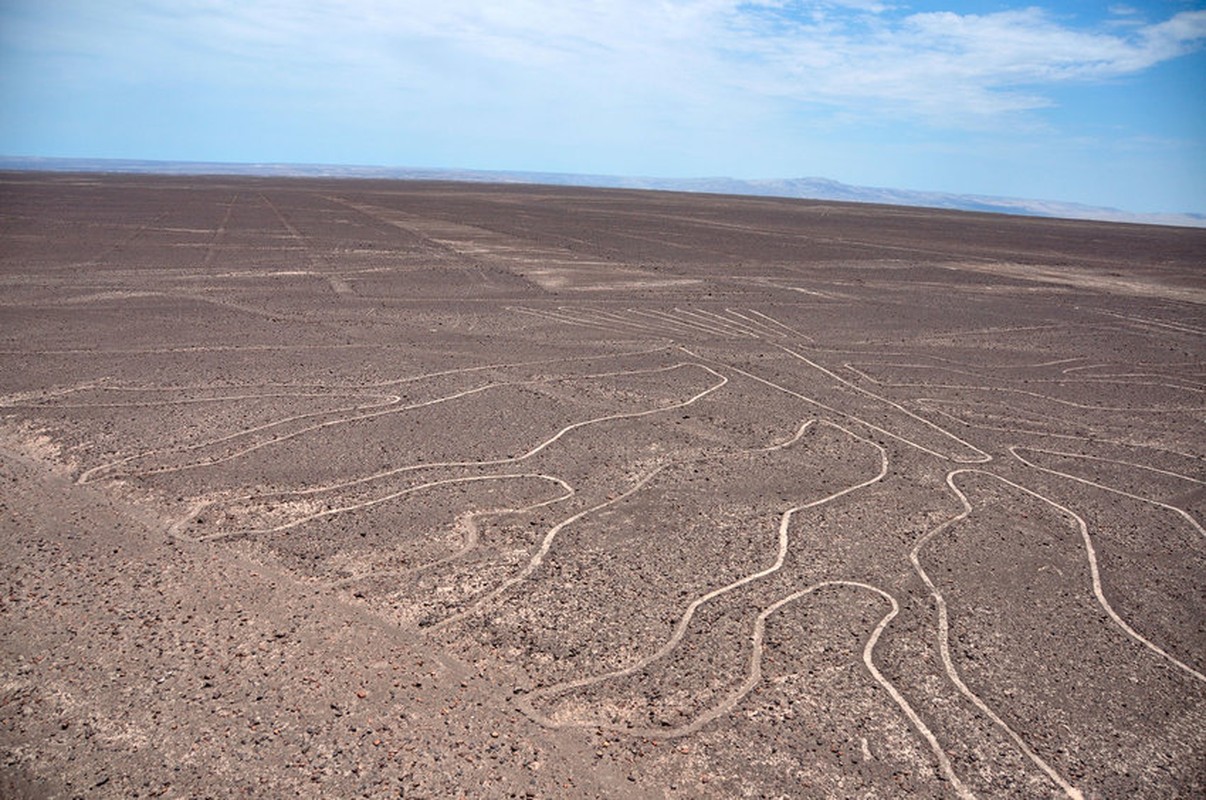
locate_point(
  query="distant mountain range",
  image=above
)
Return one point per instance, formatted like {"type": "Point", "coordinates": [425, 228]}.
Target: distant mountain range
{"type": "Point", "coordinates": [804, 188]}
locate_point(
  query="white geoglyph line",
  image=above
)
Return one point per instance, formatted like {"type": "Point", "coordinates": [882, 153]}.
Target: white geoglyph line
{"type": "Point", "coordinates": [509, 460]}
{"type": "Point", "coordinates": [472, 534]}
{"type": "Point", "coordinates": [1176, 382]}
{"type": "Point", "coordinates": [134, 234]}
{"type": "Point", "coordinates": [197, 298]}
{"type": "Point", "coordinates": [302, 241]}
{"type": "Point", "coordinates": [671, 321]}
{"type": "Point", "coordinates": [1054, 326]}
{"type": "Point", "coordinates": [1091, 555]}
{"type": "Point", "coordinates": [660, 323]}
{"type": "Point", "coordinates": [897, 406]}
{"type": "Point", "coordinates": [657, 327]}
{"type": "Point", "coordinates": [1013, 450]}
{"type": "Point", "coordinates": [614, 318]}
{"type": "Point", "coordinates": [91, 474]}
{"type": "Point", "coordinates": [727, 320]}
{"type": "Point", "coordinates": [765, 329]}
{"type": "Point", "coordinates": [1082, 367]}
{"type": "Point", "coordinates": [555, 530]}
{"type": "Point", "coordinates": [483, 368]}
{"type": "Point", "coordinates": [680, 629]}
{"type": "Point", "coordinates": [220, 231]}
{"type": "Point", "coordinates": [813, 292]}
{"type": "Point", "coordinates": [177, 527]}
{"type": "Point", "coordinates": [550, 316]}
{"type": "Point", "coordinates": [1064, 371]}
{"type": "Point", "coordinates": [610, 320]}
{"type": "Point", "coordinates": [1053, 363]}
{"type": "Point", "coordinates": [787, 328]}
{"type": "Point", "coordinates": [391, 408]}
{"type": "Point", "coordinates": [874, 350]}
{"type": "Point", "coordinates": [199, 348]}
{"type": "Point", "coordinates": [17, 399]}
{"type": "Point", "coordinates": [331, 512]}
{"type": "Point", "coordinates": [719, 325]}
{"type": "Point", "coordinates": [1077, 381]}
{"type": "Point", "coordinates": [689, 323]}
{"type": "Point", "coordinates": [554, 316]}
{"type": "Point", "coordinates": [599, 318]}
{"type": "Point", "coordinates": [667, 327]}
{"type": "Point", "coordinates": [1195, 367]}
{"type": "Point", "coordinates": [755, 676]}
{"type": "Point", "coordinates": [557, 436]}
{"type": "Point", "coordinates": [930, 404]}
{"type": "Point", "coordinates": [944, 636]}
{"type": "Point", "coordinates": [537, 559]}
{"type": "Point", "coordinates": [1179, 327]}
{"type": "Point", "coordinates": [983, 458]}
{"type": "Point", "coordinates": [654, 321]}
{"type": "Point", "coordinates": [943, 618]}
{"type": "Point", "coordinates": [697, 317]}
{"type": "Point", "coordinates": [1108, 461]}
{"type": "Point", "coordinates": [384, 400]}
{"type": "Point", "coordinates": [517, 364]}
{"type": "Point", "coordinates": [1048, 398]}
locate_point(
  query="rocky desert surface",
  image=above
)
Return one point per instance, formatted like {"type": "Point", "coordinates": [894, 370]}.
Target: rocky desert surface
{"type": "Point", "coordinates": [331, 488]}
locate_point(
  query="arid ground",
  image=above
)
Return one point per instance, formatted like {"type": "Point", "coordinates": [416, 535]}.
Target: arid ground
{"type": "Point", "coordinates": [339, 489]}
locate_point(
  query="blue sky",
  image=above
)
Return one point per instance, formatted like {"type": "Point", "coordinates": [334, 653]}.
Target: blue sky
{"type": "Point", "coordinates": [1095, 103]}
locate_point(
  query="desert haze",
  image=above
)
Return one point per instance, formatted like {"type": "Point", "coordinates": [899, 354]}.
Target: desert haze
{"type": "Point", "coordinates": [334, 488]}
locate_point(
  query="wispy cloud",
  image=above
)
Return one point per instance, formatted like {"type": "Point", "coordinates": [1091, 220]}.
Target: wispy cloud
{"type": "Point", "coordinates": [855, 56]}
{"type": "Point", "coordinates": [951, 68]}
{"type": "Point", "coordinates": [864, 90]}
{"type": "Point", "coordinates": [943, 67]}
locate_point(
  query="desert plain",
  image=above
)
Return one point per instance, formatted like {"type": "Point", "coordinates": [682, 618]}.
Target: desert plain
{"type": "Point", "coordinates": [329, 488]}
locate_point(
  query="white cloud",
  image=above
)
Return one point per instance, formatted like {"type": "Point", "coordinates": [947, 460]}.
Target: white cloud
{"type": "Point", "coordinates": [859, 57]}
{"type": "Point", "coordinates": [949, 66]}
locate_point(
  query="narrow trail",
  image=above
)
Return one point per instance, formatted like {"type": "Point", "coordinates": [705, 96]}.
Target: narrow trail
{"type": "Point", "coordinates": [544, 444]}
{"type": "Point", "coordinates": [1013, 450]}
{"type": "Point", "coordinates": [983, 456]}
{"type": "Point", "coordinates": [548, 316]}
{"type": "Point", "coordinates": [1177, 327]}
{"type": "Point", "coordinates": [981, 459]}
{"type": "Point", "coordinates": [188, 401]}
{"type": "Point", "coordinates": [472, 533]}
{"type": "Point", "coordinates": [944, 638]}
{"type": "Point", "coordinates": [754, 677]}
{"type": "Point", "coordinates": [536, 560]}
{"type": "Point", "coordinates": [859, 368]}
{"type": "Point", "coordinates": [297, 236]}
{"type": "Point", "coordinates": [220, 232]}
{"type": "Point", "coordinates": [503, 461]}
{"type": "Point", "coordinates": [383, 408]}
{"type": "Point", "coordinates": [331, 512]}
{"type": "Point", "coordinates": [1046, 397]}
{"type": "Point", "coordinates": [930, 404]}
{"type": "Point", "coordinates": [944, 623]}
{"type": "Point", "coordinates": [129, 239]}
{"type": "Point", "coordinates": [748, 324]}
{"type": "Point", "coordinates": [732, 330]}
{"type": "Point", "coordinates": [680, 630]}
{"type": "Point", "coordinates": [783, 545]}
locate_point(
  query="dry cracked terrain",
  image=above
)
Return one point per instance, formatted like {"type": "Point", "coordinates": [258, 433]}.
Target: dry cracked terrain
{"type": "Point", "coordinates": [365, 489]}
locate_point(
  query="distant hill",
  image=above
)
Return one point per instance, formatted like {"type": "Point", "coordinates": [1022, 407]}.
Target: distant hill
{"type": "Point", "coordinates": [804, 188]}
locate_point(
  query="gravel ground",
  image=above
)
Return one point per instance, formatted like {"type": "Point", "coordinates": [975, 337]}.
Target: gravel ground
{"type": "Point", "coordinates": [369, 489]}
